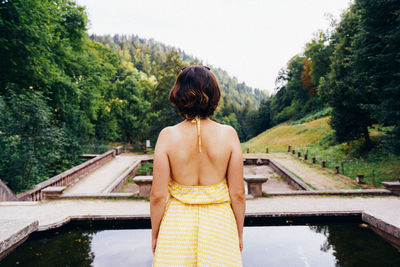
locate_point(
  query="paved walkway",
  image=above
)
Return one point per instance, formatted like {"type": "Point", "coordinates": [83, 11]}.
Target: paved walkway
{"type": "Point", "coordinates": [51, 213]}
{"type": "Point", "coordinates": [99, 179]}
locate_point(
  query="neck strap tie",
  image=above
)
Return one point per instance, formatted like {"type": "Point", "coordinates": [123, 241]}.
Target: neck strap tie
{"type": "Point", "coordinates": [197, 121]}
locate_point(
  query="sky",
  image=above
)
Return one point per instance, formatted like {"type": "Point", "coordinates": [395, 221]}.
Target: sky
{"type": "Point", "coordinates": [250, 39]}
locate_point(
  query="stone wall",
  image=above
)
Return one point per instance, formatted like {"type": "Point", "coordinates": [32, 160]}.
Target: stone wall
{"type": "Point", "coordinates": [5, 193]}
{"type": "Point", "coordinates": [290, 178]}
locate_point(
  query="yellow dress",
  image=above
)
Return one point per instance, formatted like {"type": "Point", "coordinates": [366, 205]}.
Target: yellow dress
{"type": "Point", "coordinates": [198, 228]}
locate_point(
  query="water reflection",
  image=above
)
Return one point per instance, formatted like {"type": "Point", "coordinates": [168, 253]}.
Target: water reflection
{"type": "Point", "coordinates": [322, 245]}
{"type": "Point", "coordinates": [122, 248]}
{"type": "Point", "coordinates": [58, 249]}
{"type": "Point", "coordinates": [285, 246]}
{"type": "Point", "coordinates": [357, 246]}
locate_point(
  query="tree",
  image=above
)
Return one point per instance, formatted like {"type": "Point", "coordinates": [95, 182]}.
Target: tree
{"type": "Point", "coordinates": [363, 85]}
{"type": "Point", "coordinates": [166, 114]}
{"type": "Point", "coordinates": [58, 79]}
{"type": "Point", "coordinates": [132, 109]}
{"type": "Point", "coordinates": [77, 90]}
{"type": "Point", "coordinates": [306, 80]}
{"type": "Point", "coordinates": [351, 115]}
{"type": "Point", "coordinates": [30, 144]}
{"type": "Point", "coordinates": [319, 51]}
{"type": "Point", "coordinates": [376, 56]}
{"type": "Point", "coordinates": [259, 120]}
{"type": "Point", "coordinates": [291, 96]}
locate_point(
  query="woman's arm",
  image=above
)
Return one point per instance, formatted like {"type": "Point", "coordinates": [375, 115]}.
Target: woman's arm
{"type": "Point", "coordinates": [159, 188]}
{"type": "Point", "coordinates": [236, 184]}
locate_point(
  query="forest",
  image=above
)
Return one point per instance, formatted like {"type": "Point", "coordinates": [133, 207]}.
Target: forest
{"type": "Point", "coordinates": [64, 92]}
{"type": "Point", "coordinates": [350, 72]}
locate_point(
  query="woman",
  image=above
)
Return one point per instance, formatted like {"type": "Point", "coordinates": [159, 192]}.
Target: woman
{"type": "Point", "coordinates": [197, 201]}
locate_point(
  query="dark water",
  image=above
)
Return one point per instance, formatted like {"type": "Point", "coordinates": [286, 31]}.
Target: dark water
{"type": "Point", "coordinates": [334, 244]}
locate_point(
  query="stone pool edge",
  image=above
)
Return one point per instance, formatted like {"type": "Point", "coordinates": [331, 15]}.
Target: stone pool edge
{"type": "Point", "coordinates": [386, 230]}
{"type": "Point", "coordinates": [22, 230]}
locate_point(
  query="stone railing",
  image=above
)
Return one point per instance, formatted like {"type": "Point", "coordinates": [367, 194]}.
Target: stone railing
{"type": "Point", "coordinates": [69, 176]}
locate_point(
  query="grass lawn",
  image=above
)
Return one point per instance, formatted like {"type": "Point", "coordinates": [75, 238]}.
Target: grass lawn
{"type": "Point", "coordinates": [316, 139]}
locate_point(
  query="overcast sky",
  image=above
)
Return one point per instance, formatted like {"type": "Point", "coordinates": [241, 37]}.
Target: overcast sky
{"type": "Point", "coordinates": [251, 39]}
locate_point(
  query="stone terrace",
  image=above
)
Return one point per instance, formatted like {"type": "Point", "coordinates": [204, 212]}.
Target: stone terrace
{"type": "Point", "coordinates": [18, 219]}
{"type": "Point", "coordinates": [57, 212]}
{"type": "Point", "coordinates": [381, 212]}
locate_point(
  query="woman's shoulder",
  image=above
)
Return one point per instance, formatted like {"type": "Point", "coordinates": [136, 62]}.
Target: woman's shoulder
{"type": "Point", "coordinates": [166, 130]}
{"type": "Point", "coordinates": [169, 131]}
{"type": "Point", "coordinates": [173, 130]}
{"type": "Point", "coordinates": [165, 133]}
{"type": "Point", "coordinates": [227, 128]}
{"type": "Point", "coordinates": [226, 132]}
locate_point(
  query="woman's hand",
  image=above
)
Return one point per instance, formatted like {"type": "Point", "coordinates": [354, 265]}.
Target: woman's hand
{"type": "Point", "coordinates": [153, 244]}
{"type": "Point", "coordinates": [241, 243]}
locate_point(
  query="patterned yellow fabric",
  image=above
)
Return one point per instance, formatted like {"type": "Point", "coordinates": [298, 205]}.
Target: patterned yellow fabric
{"type": "Point", "coordinates": [198, 228]}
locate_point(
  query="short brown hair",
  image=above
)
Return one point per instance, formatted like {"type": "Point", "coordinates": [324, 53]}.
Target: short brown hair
{"type": "Point", "coordinates": [195, 92]}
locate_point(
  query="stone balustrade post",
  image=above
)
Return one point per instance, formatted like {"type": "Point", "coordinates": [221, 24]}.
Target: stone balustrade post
{"type": "Point", "coordinates": [336, 169]}
{"type": "Point", "coordinates": [360, 179]}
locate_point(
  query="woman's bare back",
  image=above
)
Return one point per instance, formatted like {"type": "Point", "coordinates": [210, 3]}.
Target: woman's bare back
{"type": "Point", "coordinates": [177, 152]}
{"type": "Point", "coordinates": [188, 165]}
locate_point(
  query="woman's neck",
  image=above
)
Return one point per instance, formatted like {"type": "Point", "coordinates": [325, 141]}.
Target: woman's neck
{"type": "Point", "coordinates": [201, 119]}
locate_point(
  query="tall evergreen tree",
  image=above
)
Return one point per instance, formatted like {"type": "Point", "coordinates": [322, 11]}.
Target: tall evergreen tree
{"type": "Point", "coordinates": [377, 59]}
{"type": "Point", "coordinates": [351, 115]}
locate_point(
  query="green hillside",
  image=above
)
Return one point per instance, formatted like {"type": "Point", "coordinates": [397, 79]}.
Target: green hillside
{"type": "Point", "coordinates": [299, 135]}
{"type": "Point", "coordinates": [316, 138]}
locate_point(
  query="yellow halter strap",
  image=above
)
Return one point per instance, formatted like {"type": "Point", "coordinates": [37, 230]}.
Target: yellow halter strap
{"type": "Point", "coordinates": [197, 121]}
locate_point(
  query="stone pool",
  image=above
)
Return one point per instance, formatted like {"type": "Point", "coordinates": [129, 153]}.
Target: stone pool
{"type": "Point", "coordinates": [323, 244]}
{"type": "Point", "coordinates": [275, 182]}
